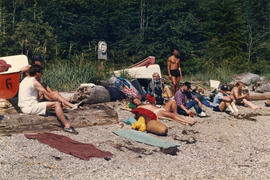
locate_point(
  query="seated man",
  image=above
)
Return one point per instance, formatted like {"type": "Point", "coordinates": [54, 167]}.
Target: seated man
{"type": "Point", "coordinates": [197, 93]}
{"type": "Point", "coordinates": [38, 60]}
{"type": "Point", "coordinates": [181, 97]}
{"type": "Point", "coordinates": [156, 91]}
{"type": "Point", "coordinates": [166, 111]}
{"type": "Point", "coordinates": [222, 101]}
{"type": "Point", "coordinates": [28, 98]}
{"type": "Point", "coordinates": [240, 98]}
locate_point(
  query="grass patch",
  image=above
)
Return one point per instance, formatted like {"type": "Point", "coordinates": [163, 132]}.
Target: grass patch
{"type": "Point", "coordinates": [222, 75]}
{"type": "Point", "coordinates": [66, 75]}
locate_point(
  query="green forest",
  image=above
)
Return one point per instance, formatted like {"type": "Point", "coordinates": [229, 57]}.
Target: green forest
{"type": "Point", "coordinates": [211, 35]}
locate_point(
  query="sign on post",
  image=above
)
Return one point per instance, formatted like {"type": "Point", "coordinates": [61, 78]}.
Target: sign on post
{"type": "Point", "coordinates": [102, 50]}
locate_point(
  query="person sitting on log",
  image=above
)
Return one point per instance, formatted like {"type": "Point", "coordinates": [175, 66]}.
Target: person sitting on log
{"type": "Point", "coordinates": [222, 100]}
{"type": "Point", "coordinates": [169, 111]}
{"type": "Point", "coordinates": [240, 97]}
{"type": "Point", "coordinates": [38, 60]}
{"type": "Point", "coordinates": [29, 100]}
{"type": "Point", "coordinates": [156, 91]}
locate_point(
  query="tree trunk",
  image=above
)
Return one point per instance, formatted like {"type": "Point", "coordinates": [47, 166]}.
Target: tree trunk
{"type": "Point", "coordinates": [99, 114]}
{"type": "Point", "coordinates": [259, 96]}
{"type": "Point", "coordinates": [250, 42]}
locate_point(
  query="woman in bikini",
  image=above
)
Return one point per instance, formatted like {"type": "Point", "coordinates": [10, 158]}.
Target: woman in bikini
{"type": "Point", "coordinates": [169, 111]}
{"type": "Point", "coordinates": [174, 70]}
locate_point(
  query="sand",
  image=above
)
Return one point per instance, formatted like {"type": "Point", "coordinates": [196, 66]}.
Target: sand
{"type": "Point", "coordinates": [217, 147]}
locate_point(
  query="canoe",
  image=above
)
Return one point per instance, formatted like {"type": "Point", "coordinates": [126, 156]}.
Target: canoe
{"type": "Point", "coordinates": [146, 62]}
{"type": "Point", "coordinates": [140, 72]}
{"type": "Point", "coordinates": [10, 80]}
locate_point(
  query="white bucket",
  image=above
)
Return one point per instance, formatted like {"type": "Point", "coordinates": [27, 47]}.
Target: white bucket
{"type": "Point", "coordinates": [214, 84]}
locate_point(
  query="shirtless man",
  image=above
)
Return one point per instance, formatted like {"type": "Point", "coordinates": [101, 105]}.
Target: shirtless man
{"type": "Point", "coordinates": [28, 98]}
{"type": "Point", "coordinates": [166, 111]}
{"type": "Point", "coordinates": [174, 70]}
{"type": "Point", "coordinates": [38, 60]}
{"type": "Point", "coordinates": [240, 97]}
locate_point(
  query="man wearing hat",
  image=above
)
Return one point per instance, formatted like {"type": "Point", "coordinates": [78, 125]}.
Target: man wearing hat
{"type": "Point", "coordinates": [181, 97]}
{"type": "Point", "coordinates": [222, 101]}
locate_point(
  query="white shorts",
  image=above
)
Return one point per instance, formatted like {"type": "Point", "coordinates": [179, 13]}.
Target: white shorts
{"type": "Point", "coordinates": [37, 108]}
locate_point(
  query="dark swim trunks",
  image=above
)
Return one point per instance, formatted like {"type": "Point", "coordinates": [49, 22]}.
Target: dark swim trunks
{"type": "Point", "coordinates": [216, 108]}
{"type": "Point", "coordinates": [175, 72]}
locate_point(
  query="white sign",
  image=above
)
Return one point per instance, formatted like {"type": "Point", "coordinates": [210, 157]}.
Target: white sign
{"type": "Point", "coordinates": [102, 50]}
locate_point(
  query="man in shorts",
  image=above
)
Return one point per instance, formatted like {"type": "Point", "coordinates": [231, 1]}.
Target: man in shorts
{"type": "Point", "coordinates": [174, 70]}
{"type": "Point", "coordinates": [29, 95]}
{"type": "Point", "coordinates": [222, 100]}
{"type": "Point", "coordinates": [38, 60]}
{"type": "Point", "coordinates": [241, 98]}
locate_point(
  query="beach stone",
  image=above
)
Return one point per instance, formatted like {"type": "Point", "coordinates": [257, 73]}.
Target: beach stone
{"type": "Point", "coordinates": [265, 87]}
{"type": "Point", "coordinates": [247, 78]}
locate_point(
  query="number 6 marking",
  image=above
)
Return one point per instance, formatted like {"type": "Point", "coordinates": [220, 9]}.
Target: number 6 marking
{"type": "Point", "coordinates": [8, 83]}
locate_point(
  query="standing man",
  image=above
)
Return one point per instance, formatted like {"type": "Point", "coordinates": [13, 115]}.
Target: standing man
{"type": "Point", "coordinates": [174, 70]}
{"type": "Point", "coordinates": [29, 98]}
{"type": "Point", "coordinates": [181, 97]}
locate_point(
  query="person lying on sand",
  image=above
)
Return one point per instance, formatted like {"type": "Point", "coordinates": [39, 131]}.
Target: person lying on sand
{"type": "Point", "coordinates": [222, 100]}
{"type": "Point", "coordinates": [169, 111]}
{"type": "Point", "coordinates": [240, 98]}
{"type": "Point", "coordinates": [38, 60]}
{"type": "Point", "coordinates": [28, 98]}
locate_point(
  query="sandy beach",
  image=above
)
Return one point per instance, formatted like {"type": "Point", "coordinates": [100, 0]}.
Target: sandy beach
{"type": "Point", "coordinates": [217, 147]}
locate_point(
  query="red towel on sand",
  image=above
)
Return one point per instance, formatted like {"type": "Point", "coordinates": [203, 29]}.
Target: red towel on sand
{"type": "Point", "coordinates": [69, 146]}
{"type": "Point", "coordinates": [147, 114]}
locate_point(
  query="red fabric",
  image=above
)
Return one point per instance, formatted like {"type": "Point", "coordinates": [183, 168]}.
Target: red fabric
{"type": "Point", "coordinates": [150, 98]}
{"type": "Point", "coordinates": [191, 114]}
{"type": "Point", "coordinates": [69, 146]}
{"type": "Point", "coordinates": [147, 114]}
{"type": "Point", "coordinates": [4, 66]}
{"type": "Point", "coordinates": [146, 62]}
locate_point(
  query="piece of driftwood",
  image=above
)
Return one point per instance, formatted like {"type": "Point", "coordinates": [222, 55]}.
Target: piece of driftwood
{"type": "Point", "coordinates": [91, 115]}
{"type": "Point", "coordinates": [259, 96]}
{"type": "Point", "coordinates": [6, 107]}
{"type": "Point", "coordinates": [91, 94]}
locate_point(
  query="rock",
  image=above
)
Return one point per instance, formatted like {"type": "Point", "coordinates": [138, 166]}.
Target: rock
{"type": "Point", "coordinates": [264, 87]}
{"type": "Point", "coordinates": [91, 115]}
{"type": "Point", "coordinates": [247, 78]}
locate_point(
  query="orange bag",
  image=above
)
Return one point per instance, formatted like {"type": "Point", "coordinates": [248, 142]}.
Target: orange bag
{"type": "Point", "coordinates": [156, 127]}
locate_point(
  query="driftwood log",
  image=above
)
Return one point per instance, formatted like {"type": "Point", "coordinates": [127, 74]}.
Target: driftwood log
{"type": "Point", "coordinates": [91, 94]}
{"type": "Point", "coordinates": [259, 96]}
{"type": "Point", "coordinates": [91, 115]}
